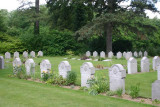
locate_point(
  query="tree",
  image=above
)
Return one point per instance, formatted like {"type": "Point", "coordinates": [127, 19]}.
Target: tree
{"type": "Point", "coordinates": [109, 14]}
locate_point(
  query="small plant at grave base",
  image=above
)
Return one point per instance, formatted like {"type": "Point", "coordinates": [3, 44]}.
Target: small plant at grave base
{"type": "Point", "coordinates": [84, 57]}
{"type": "Point", "coordinates": [142, 101]}
{"type": "Point", "coordinates": [71, 78]}
{"type": "Point", "coordinates": [46, 76]}
{"type": "Point", "coordinates": [110, 93]}
{"type": "Point", "coordinates": [70, 53]}
{"type": "Point", "coordinates": [83, 88]}
{"type": "Point", "coordinates": [100, 59]}
{"type": "Point", "coordinates": [119, 92]}
{"type": "Point", "coordinates": [156, 101]}
{"type": "Point", "coordinates": [99, 66]}
{"type": "Point", "coordinates": [20, 72]}
{"type": "Point", "coordinates": [56, 80]}
{"type": "Point", "coordinates": [134, 91]}
{"type": "Point", "coordinates": [98, 86]}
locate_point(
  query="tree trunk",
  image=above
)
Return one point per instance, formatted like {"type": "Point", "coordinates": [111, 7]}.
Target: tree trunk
{"type": "Point", "coordinates": [36, 24]}
{"type": "Point", "coordinates": [108, 34]}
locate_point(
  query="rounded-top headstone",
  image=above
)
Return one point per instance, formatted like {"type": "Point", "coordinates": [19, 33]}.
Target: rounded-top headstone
{"type": "Point", "coordinates": [40, 53]}
{"type": "Point", "coordinates": [16, 64]}
{"type": "Point", "coordinates": [145, 53]}
{"type": "Point", "coordinates": [140, 53]}
{"type": "Point", "coordinates": [102, 54]}
{"type": "Point", "coordinates": [16, 54]}
{"type": "Point", "coordinates": [145, 64]}
{"type": "Point", "coordinates": [32, 54]}
{"type": "Point", "coordinates": [117, 76]}
{"type": "Point", "coordinates": [119, 55]}
{"type": "Point", "coordinates": [45, 67]}
{"type": "Point", "coordinates": [7, 55]}
{"type": "Point", "coordinates": [64, 67]}
{"type": "Point", "coordinates": [132, 65]}
{"type": "Point", "coordinates": [30, 66]}
{"type": "Point", "coordinates": [87, 72]}
{"type": "Point", "coordinates": [95, 54]}
{"type": "Point", "coordinates": [135, 54]}
{"type": "Point", "coordinates": [124, 54]}
{"type": "Point", "coordinates": [1, 62]}
{"type": "Point", "coordinates": [110, 54]}
{"type": "Point", "coordinates": [156, 62]}
{"type": "Point", "coordinates": [25, 54]}
{"type": "Point", "coordinates": [88, 53]}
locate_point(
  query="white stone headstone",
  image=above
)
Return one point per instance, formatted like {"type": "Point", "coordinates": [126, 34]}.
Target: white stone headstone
{"type": "Point", "coordinates": [16, 54]}
{"type": "Point", "coordinates": [119, 55]}
{"type": "Point", "coordinates": [102, 54]}
{"type": "Point", "coordinates": [64, 67]}
{"type": "Point", "coordinates": [117, 76]}
{"type": "Point", "coordinates": [140, 53]}
{"type": "Point", "coordinates": [30, 66]}
{"type": "Point", "coordinates": [45, 67]}
{"type": "Point", "coordinates": [132, 65]}
{"type": "Point", "coordinates": [135, 54]}
{"type": "Point", "coordinates": [145, 53]}
{"type": "Point", "coordinates": [32, 54]}
{"type": "Point", "coordinates": [95, 54]}
{"type": "Point", "coordinates": [88, 53]}
{"type": "Point", "coordinates": [145, 64]}
{"type": "Point", "coordinates": [156, 62]}
{"type": "Point", "coordinates": [7, 55]}
{"type": "Point", "coordinates": [128, 55]}
{"type": "Point", "coordinates": [110, 54]}
{"type": "Point", "coordinates": [16, 65]}
{"type": "Point", "coordinates": [158, 72]}
{"type": "Point", "coordinates": [124, 54]}
{"type": "Point", "coordinates": [40, 53]}
{"type": "Point", "coordinates": [87, 72]}
{"type": "Point", "coordinates": [1, 62]}
{"type": "Point", "coordinates": [25, 54]}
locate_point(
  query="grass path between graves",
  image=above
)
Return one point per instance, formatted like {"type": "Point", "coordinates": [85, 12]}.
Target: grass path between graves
{"type": "Point", "coordinates": [22, 93]}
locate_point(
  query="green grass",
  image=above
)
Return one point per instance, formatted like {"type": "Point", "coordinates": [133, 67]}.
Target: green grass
{"type": "Point", "coordinates": [15, 92]}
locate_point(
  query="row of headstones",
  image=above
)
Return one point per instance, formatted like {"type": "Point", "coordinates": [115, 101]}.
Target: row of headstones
{"type": "Point", "coordinates": [25, 54]}
{"type": "Point", "coordinates": [117, 73]}
{"type": "Point", "coordinates": [119, 55]}
{"type": "Point", "coordinates": [132, 64]}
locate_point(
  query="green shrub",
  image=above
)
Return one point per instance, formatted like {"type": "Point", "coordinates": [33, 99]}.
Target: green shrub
{"type": "Point", "coordinates": [134, 91]}
{"type": "Point", "coordinates": [110, 93]}
{"type": "Point", "coordinates": [71, 78]}
{"type": "Point", "coordinates": [98, 86]}
{"type": "Point", "coordinates": [119, 92]}
{"type": "Point", "coordinates": [45, 76]}
{"type": "Point", "coordinates": [100, 59]}
{"type": "Point", "coordinates": [20, 72]}
{"type": "Point", "coordinates": [57, 80]}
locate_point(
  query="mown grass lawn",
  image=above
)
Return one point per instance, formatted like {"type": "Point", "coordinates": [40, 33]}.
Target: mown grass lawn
{"type": "Point", "coordinates": [16, 92]}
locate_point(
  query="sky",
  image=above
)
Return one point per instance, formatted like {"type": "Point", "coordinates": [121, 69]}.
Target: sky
{"type": "Point", "coordinates": [14, 4]}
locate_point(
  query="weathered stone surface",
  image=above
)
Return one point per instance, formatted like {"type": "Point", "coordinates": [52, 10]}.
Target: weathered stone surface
{"type": "Point", "coordinates": [25, 54]}
{"type": "Point", "coordinates": [102, 54]}
{"type": "Point", "coordinates": [132, 66]}
{"type": "Point", "coordinates": [145, 53]}
{"type": "Point", "coordinates": [40, 53]}
{"type": "Point", "coordinates": [119, 55]}
{"type": "Point", "coordinates": [135, 54]}
{"type": "Point", "coordinates": [128, 55]}
{"type": "Point", "coordinates": [95, 54]}
{"type": "Point", "coordinates": [30, 67]}
{"type": "Point", "coordinates": [45, 67]}
{"type": "Point", "coordinates": [156, 62]}
{"type": "Point", "coordinates": [117, 76]}
{"type": "Point", "coordinates": [17, 65]}
{"type": "Point", "coordinates": [32, 54]}
{"type": "Point", "coordinates": [7, 55]}
{"type": "Point", "coordinates": [156, 90]}
{"type": "Point", "coordinates": [87, 72]}
{"type": "Point", "coordinates": [158, 72]}
{"type": "Point", "coordinates": [145, 64]}
{"type": "Point", "coordinates": [16, 54]}
{"type": "Point", "coordinates": [1, 62]}
{"type": "Point", "coordinates": [110, 54]}
{"type": "Point", "coordinates": [140, 54]}
{"type": "Point", "coordinates": [64, 67]}
{"type": "Point", "coordinates": [124, 54]}
{"type": "Point", "coordinates": [88, 53]}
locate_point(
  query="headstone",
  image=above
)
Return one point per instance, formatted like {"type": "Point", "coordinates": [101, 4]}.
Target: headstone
{"type": "Point", "coordinates": [95, 54]}
{"type": "Point", "coordinates": [7, 55]}
{"type": "Point", "coordinates": [45, 67]}
{"type": "Point", "coordinates": [156, 90]}
{"type": "Point", "coordinates": [128, 55]}
{"type": "Point", "coordinates": [25, 54]}
{"type": "Point", "coordinates": [16, 65]}
{"type": "Point", "coordinates": [64, 67]}
{"type": "Point", "coordinates": [124, 54]}
{"type": "Point", "coordinates": [87, 72]}
{"type": "Point", "coordinates": [30, 66]}
{"type": "Point", "coordinates": [119, 55]}
{"type": "Point", "coordinates": [110, 54]}
{"type": "Point", "coordinates": [40, 53]}
{"type": "Point", "coordinates": [132, 65]}
{"type": "Point", "coordinates": [32, 54]}
{"type": "Point", "coordinates": [16, 54]}
{"type": "Point", "coordinates": [140, 54]}
{"type": "Point", "coordinates": [145, 54]}
{"type": "Point", "coordinates": [117, 76]}
{"type": "Point", "coordinates": [1, 62]}
{"type": "Point", "coordinates": [156, 62]}
{"type": "Point", "coordinates": [145, 64]}
{"type": "Point", "coordinates": [102, 54]}
{"type": "Point", "coordinates": [88, 53]}
{"type": "Point", "coordinates": [135, 54]}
